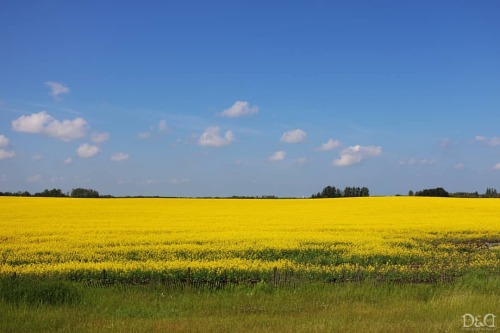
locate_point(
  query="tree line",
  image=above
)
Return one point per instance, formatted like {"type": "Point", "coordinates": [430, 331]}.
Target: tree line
{"type": "Point", "coordinates": [333, 192]}
{"type": "Point", "coordinates": [57, 193]}
{"type": "Point", "coordinates": [327, 192]}
{"type": "Point", "coordinates": [441, 192]}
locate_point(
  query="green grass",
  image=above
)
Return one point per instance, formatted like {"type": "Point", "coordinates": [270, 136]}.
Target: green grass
{"type": "Point", "coordinates": [348, 307]}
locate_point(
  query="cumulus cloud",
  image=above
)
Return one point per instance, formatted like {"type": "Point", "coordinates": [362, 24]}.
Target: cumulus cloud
{"type": "Point", "coordinates": [459, 166]}
{"type": "Point", "coordinates": [43, 123]}
{"type": "Point", "coordinates": [294, 136]}
{"type": "Point", "coordinates": [329, 145]}
{"type": "Point", "coordinates": [100, 137]}
{"type": "Point", "coordinates": [68, 161]}
{"type": "Point", "coordinates": [34, 179]}
{"type": "Point", "coordinates": [144, 135]}
{"type": "Point", "coordinates": [212, 137]}
{"type": "Point", "coordinates": [4, 154]}
{"type": "Point", "coordinates": [355, 154]}
{"type": "Point", "coordinates": [86, 151]}
{"type": "Point", "coordinates": [37, 157]}
{"type": "Point", "coordinates": [119, 157]}
{"type": "Point", "coordinates": [277, 156]}
{"type": "Point", "coordinates": [416, 161]}
{"type": "Point", "coordinates": [4, 141]}
{"type": "Point", "coordinates": [496, 166]}
{"type": "Point", "coordinates": [56, 88]}
{"type": "Point", "coordinates": [493, 141]}
{"type": "Point", "coordinates": [479, 138]}
{"type": "Point", "coordinates": [163, 127]}
{"type": "Point", "coordinates": [240, 109]}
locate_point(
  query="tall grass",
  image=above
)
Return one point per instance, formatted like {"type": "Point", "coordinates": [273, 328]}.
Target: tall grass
{"type": "Point", "coordinates": [348, 307]}
{"type": "Point", "coordinates": [38, 292]}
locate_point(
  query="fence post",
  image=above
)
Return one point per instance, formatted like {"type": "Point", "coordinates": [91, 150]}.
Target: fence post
{"type": "Point", "coordinates": [104, 277]}
{"type": "Point", "coordinates": [189, 277]}
{"type": "Point", "coordinates": [275, 276]}
{"type": "Point", "coordinates": [14, 276]}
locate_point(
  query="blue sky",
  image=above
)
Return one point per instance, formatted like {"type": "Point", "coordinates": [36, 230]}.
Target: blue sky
{"type": "Point", "coordinates": [218, 98]}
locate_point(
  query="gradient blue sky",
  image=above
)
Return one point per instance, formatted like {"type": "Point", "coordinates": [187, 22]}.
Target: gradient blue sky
{"type": "Point", "coordinates": [219, 98]}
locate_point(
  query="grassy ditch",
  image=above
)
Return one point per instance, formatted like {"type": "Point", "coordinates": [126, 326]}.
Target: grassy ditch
{"type": "Point", "coordinates": [344, 307]}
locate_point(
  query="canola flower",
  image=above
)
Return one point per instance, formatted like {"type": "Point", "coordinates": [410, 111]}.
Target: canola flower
{"type": "Point", "coordinates": [397, 238]}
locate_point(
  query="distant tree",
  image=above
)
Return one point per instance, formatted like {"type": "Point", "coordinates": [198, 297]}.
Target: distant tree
{"type": "Point", "coordinates": [434, 192]}
{"type": "Point", "coordinates": [84, 193]}
{"type": "Point", "coordinates": [491, 193]}
{"type": "Point", "coordinates": [410, 193]}
{"type": "Point", "coordinates": [55, 193]}
{"type": "Point", "coordinates": [333, 192]}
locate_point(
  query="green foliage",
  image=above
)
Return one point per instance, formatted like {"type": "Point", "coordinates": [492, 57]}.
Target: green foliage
{"type": "Point", "coordinates": [84, 193]}
{"type": "Point", "coordinates": [434, 192]}
{"type": "Point", "coordinates": [316, 307]}
{"type": "Point", "coordinates": [333, 192]}
{"type": "Point", "coordinates": [55, 193]}
{"type": "Point", "coordinates": [37, 292]}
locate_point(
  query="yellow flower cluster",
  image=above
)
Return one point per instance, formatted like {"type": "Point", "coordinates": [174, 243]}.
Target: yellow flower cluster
{"type": "Point", "coordinates": [403, 238]}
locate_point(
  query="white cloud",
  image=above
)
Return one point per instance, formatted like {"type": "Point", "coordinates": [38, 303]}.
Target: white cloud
{"type": "Point", "coordinates": [240, 109]}
{"type": "Point", "coordinates": [68, 161]}
{"type": "Point", "coordinates": [37, 157]}
{"type": "Point", "coordinates": [355, 154]}
{"type": "Point", "coordinates": [43, 123]}
{"type": "Point", "coordinates": [4, 154]}
{"type": "Point", "coordinates": [329, 145]}
{"type": "Point", "coordinates": [56, 88]}
{"type": "Point", "coordinates": [179, 181]}
{"type": "Point", "coordinates": [100, 137]}
{"type": "Point", "coordinates": [144, 135]}
{"type": "Point", "coordinates": [459, 166]}
{"type": "Point", "coordinates": [34, 179]}
{"type": "Point", "coordinates": [294, 136]}
{"type": "Point", "coordinates": [415, 161]}
{"type": "Point", "coordinates": [4, 141]}
{"type": "Point", "coordinates": [163, 127]}
{"type": "Point", "coordinates": [119, 157]}
{"type": "Point", "coordinates": [479, 138]}
{"type": "Point", "coordinates": [445, 143]}
{"type": "Point", "coordinates": [57, 180]}
{"type": "Point", "coordinates": [493, 141]}
{"type": "Point", "coordinates": [301, 161]}
{"type": "Point", "coordinates": [212, 137]}
{"type": "Point", "coordinates": [277, 156]}
{"type": "Point", "coordinates": [496, 166]}
{"type": "Point", "coordinates": [85, 150]}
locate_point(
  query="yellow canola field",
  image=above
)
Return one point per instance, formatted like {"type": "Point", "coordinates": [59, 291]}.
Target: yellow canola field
{"type": "Point", "coordinates": [399, 238]}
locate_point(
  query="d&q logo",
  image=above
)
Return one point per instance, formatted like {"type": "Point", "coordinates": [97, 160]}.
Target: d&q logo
{"type": "Point", "coordinates": [479, 323]}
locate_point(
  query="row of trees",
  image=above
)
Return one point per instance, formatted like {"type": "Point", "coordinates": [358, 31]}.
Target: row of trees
{"type": "Point", "coordinates": [333, 192]}
{"type": "Point", "coordinates": [57, 193]}
{"type": "Point", "coordinates": [433, 192]}
{"type": "Point", "coordinates": [441, 192]}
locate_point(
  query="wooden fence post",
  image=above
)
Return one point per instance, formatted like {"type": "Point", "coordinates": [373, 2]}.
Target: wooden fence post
{"type": "Point", "coordinates": [104, 277]}
{"type": "Point", "coordinates": [275, 276]}
{"type": "Point", "coordinates": [189, 277]}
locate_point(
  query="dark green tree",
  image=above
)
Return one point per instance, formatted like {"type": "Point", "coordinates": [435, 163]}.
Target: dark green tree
{"type": "Point", "coordinates": [84, 193]}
